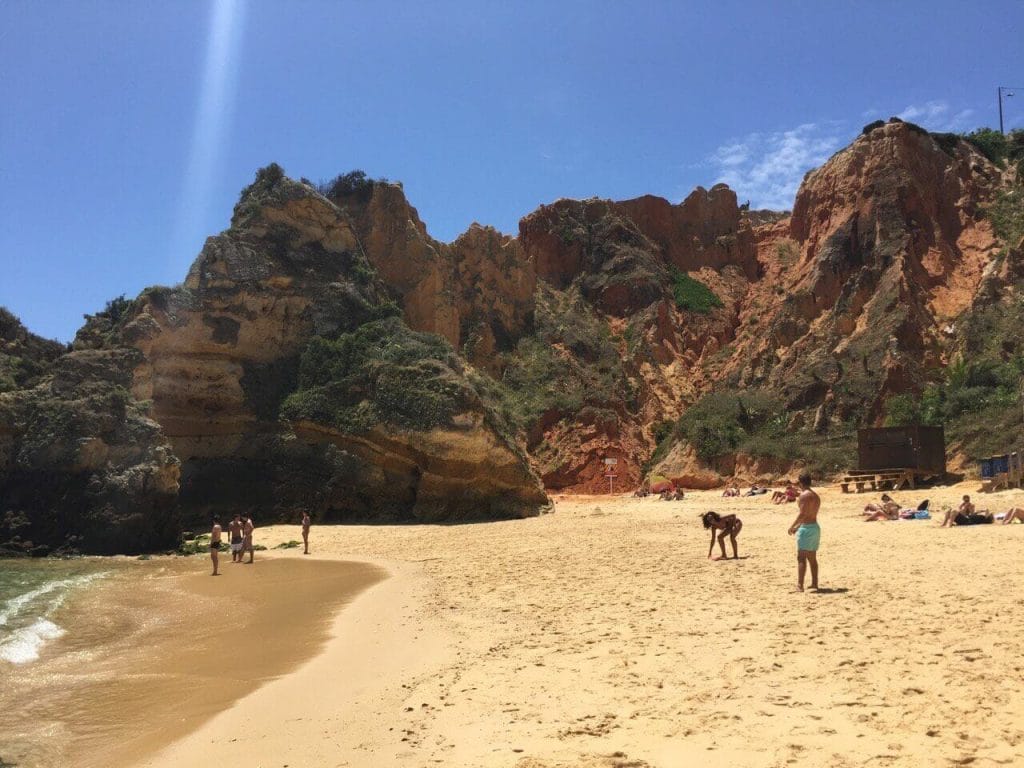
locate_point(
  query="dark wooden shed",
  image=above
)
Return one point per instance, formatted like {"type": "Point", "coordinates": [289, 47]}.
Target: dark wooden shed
{"type": "Point", "coordinates": [922, 449]}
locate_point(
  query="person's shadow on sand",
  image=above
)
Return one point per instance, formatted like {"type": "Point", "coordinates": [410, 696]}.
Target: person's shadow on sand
{"type": "Point", "coordinates": [830, 591]}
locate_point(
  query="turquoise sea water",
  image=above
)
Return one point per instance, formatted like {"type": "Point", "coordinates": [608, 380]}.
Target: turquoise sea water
{"type": "Point", "coordinates": [31, 593]}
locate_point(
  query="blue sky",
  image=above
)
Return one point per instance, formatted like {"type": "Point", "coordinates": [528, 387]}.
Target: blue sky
{"type": "Point", "coordinates": [128, 129]}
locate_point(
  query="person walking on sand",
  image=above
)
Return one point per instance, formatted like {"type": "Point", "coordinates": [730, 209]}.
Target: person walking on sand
{"type": "Point", "coordinates": [215, 545]}
{"type": "Point", "coordinates": [235, 536]}
{"type": "Point", "coordinates": [247, 528]}
{"type": "Point", "coordinates": [305, 533]}
{"type": "Point", "coordinates": [808, 533]}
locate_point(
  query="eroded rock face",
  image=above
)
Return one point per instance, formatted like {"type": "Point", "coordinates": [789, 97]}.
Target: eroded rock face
{"type": "Point", "coordinates": [706, 230]}
{"type": "Point", "coordinates": [496, 286]}
{"type": "Point", "coordinates": [221, 354]}
{"type": "Point", "coordinates": [892, 246]}
{"type": "Point", "coordinates": [887, 245]}
{"type": "Point", "coordinates": [24, 357]}
{"type": "Point", "coordinates": [82, 468]}
{"type": "Point", "coordinates": [476, 292]}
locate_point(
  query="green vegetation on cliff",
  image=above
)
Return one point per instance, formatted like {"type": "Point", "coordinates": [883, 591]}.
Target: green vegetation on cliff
{"type": "Point", "coordinates": [571, 360]}
{"type": "Point", "coordinates": [382, 373]}
{"type": "Point", "coordinates": [24, 357]}
{"type": "Point", "coordinates": [754, 422]}
{"type": "Point", "coordinates": [692, 295]}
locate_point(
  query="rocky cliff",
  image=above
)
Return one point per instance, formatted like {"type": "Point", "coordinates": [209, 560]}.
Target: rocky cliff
{"type": "Point", "coordinates": [254, 323]}
{"type": "Point", "coordinates": [886, 248]}
{"type": "Point", "coordinates": [82, 467]}
{"type": "Point", "coordinates": [326, 354]}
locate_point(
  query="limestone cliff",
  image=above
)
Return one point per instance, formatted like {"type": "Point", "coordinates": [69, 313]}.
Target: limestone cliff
{"type": "Point", "coordinates": [221, 354]}
{"type": "Point", "coordinates": [82, 468]}
{"type": "Point", "coordinates": [325, 353]}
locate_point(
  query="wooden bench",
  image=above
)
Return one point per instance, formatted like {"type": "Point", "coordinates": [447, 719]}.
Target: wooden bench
{"type": "Point", "coordinates": [995, 483]}
{"type": "Point", "coordinates": [879, 479]}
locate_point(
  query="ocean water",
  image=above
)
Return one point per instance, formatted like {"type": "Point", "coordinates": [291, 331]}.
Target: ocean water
{"type": "Point", "coordinates": [32, 592]}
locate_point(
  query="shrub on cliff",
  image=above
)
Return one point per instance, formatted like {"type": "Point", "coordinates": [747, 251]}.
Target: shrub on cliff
{"type": "Point", "coordinates": [382, 373]}
{"type": "Point", "coordinates": [720, 422]}
{"type": "Point", "coordinates": [570, 360]}
{"type": "Point", "coordinates": [24, 357]}
{"type": "Point", "coordinates": [1007, 216]}
{"type": "Point", "coordinates": [347, 184]}
{"type": "Point", "coordinates": [992, 144]}
{"type": "Point", "coordinates": [692, 295]}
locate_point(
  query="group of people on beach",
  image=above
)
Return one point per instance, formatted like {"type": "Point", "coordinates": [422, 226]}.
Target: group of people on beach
{"type": "Point", "coordinates": [805, 527]}
{"type": "Point", "coordinates": [778, 497]}
{"type": "Point", "coordinates": [966, 513]}
{"type": "Point", "coordinates": [240, 535]}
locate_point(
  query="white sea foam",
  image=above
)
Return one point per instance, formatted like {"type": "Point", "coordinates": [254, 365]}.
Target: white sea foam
{"type": "Point", "coordinates": [32, 610]}
{"type": "Point", "coordinates": [24, 644]}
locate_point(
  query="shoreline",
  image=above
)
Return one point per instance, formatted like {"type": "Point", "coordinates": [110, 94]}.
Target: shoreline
{"type": "Point", "coordinates": [157, 648]}
{"type": "Point", "coordinates": [316, 713]}
{"type": "Point", "coordinates": [600, 636]}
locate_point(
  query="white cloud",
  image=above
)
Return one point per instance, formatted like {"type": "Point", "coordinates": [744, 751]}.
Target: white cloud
{"type": "Point", "coordinates": [767, 168]}
{"type": "Point", "coordinates": [937, 116]}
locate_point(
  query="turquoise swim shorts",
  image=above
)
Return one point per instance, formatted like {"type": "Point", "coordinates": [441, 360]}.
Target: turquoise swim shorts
{"type": "Point", "coordinates": [808, 537]}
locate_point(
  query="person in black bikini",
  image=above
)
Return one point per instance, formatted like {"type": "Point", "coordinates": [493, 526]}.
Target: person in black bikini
{"type": "Point", "coordinates": [730, 526]}
{"type": "Point", "coordinates": [215, 545]}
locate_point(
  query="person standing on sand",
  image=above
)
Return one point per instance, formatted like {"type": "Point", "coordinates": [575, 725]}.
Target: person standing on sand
{"type": "Point", "coordinates": [215, 545]}
{"type": "Point", "coordinates": [247, 528]}
{"type": "Point", "coordinates": [305, 532]}
{"type": "Point", "coordinates": [808, 533]}
{"type": "Point", "coordinates": [235, 535]}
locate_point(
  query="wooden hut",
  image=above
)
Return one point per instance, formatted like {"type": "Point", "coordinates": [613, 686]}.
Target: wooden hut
{"type": "Point", "coordinates": [897, 457]}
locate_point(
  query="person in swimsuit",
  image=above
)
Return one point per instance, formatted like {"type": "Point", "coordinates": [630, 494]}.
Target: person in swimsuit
{"type": "Point", "coordinates": [966, 509]}
{"type": "Point", "coordinates": [888, 509]}
{"type": "Point", "coordinates": [730, 526]}
{"type": "Point", "coordinates": [215, 545]}
{"type": "Point", "coordinates": [247, 528]}
{"type": "Point", "coordinates": [235, 533]}
{"type": "Point", "coordinates": [808, 533]}
{"type": "Point", "coordinates": [1015, 513]}
{"type": "Point", "coordinates": [305, 532]}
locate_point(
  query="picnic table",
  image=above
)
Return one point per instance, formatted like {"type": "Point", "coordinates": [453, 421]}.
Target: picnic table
{"type": "Point", "coordinates": [879, 479]}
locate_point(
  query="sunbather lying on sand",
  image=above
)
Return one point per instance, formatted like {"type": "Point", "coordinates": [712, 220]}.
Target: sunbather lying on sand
{"type": "Point", "coordinates": [1015, 513]}
{"type": "Point", "coordinates": [788, 494]}
{"type": "Point", "coordinates": [887, 504]}
{"type": "Point", "coordinates": [732, 490]}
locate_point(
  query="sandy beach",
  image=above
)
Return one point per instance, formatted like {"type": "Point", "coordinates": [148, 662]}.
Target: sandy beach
{"type": "Point", "coordinates": [600, 635]}
{"type": "Point", "coordinates": [154, 648]}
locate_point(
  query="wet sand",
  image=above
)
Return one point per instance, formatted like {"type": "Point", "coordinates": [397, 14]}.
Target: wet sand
{"type": "Point", "coordinates": [158, 647]}
{"type": "Point", "coordinates": [601, 635]}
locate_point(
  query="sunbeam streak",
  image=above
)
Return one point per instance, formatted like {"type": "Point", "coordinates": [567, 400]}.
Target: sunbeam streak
{"type": "Point", "coordinates": [213, 115]}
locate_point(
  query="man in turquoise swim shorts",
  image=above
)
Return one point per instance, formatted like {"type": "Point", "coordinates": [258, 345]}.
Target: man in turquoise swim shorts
{"type": "Point", "coordinates": [808, 533]}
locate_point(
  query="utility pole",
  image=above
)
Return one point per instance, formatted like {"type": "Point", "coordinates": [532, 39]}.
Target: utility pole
{"type": "Point", "coordinates": [999, 94]}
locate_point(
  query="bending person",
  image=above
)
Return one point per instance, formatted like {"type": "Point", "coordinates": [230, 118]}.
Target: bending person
{"type": "Point", "coordinates": [730, 526]}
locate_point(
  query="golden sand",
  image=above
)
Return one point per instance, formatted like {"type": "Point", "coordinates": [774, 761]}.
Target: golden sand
{"type": "Point", "coordinates": [159, 647]}
{"type": "Point", "coordinates": [600, 635]}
